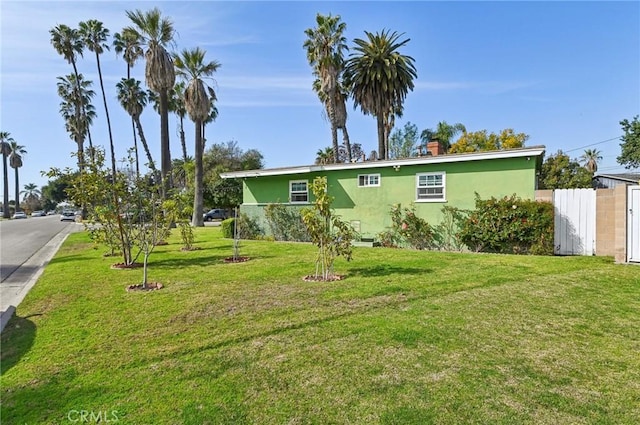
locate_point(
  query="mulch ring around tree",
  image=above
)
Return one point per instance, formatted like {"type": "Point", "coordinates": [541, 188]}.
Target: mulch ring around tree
{"type": "Point", "coordinates": [126, 266]}
{"type": "Point", "coordinates": [313, 278]}
{"type": "Point", "coordinates": [236, 259]}
{"type": "Point", "coordinates": [142, 288]}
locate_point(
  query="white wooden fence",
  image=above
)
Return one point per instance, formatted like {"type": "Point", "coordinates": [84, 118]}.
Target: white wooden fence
{"type": "Point", "coordinates": [575, 221]}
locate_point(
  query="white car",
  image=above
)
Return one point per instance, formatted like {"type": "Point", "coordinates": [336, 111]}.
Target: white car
{"type": "Point", "coordinates": [37, 213]}
{"type": "Point", "coordinates": [19, 214]}
{"type": "Point", "coordinates": [68, 216]}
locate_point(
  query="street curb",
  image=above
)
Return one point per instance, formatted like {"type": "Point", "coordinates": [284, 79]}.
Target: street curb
{"type": "Point", "coordinates": [40, 259]}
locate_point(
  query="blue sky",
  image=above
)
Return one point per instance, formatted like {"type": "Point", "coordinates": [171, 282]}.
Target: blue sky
{"type": "Point", "coordinates": [565, 73]}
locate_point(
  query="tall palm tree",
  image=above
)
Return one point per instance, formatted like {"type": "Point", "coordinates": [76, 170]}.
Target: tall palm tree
{"type": "Point", "coordinates": [76, 95]}
{"type": "Point", "coordinates": [213, 114]}
{"type": "Point", "coordinates": [68, 42]}
{"type": "Point", "coordinates": [128, 44]}
{"type": "Point", "coordinates": [380, 78]}
{"type": "Point", "coordinates": [191, 66]}
{"type": "Point", "coordinates": [133, 99]}
{"type": "Point", "coordinates": [156, 32]}
{"type": "Point", "coordinates": [94, 36]}
{"type": "Point", "coordinates": [30, 191]}
{"type": "Point", "coordinates": [5, 148]}
{"type": "Point", "coordinates": [325, 45]}
{"type": "Point", "coordinates": [15, 161]}
{"type": "Point", "coordinates": [444, 132]}
{"type": "Point", "coordinates": [176, 105]}
{"type": "Point", "coordinates": [590, 158]}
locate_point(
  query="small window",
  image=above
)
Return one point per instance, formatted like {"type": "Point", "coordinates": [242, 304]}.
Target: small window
{"type": "Point", "coordinates": [298, 191]}
{"type": "Point", "coordinates": [430, 187]}
{"type": "Point", "coordinates": [365, 180]}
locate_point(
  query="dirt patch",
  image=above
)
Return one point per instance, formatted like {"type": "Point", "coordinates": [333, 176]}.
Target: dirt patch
{"type": "Point", "coordinates": [236, 259]}
{"type": "Point", "coordinates": [312, 278]}
{"type": "Point", "coordinates": [154, 286]}
{"type": "Point", "coordinates": [126, 266]}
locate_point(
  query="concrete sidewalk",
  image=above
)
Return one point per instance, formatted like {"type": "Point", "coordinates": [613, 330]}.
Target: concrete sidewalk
{"type": "Point", "coordinates": [17, 285]}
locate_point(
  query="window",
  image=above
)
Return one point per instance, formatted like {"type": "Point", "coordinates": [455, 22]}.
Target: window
{"type": "Point", "coordinates": [365, 180]}
{"type": "Point", "coordinates": [430, 187]}
{"type": "Point", "coordinates": [298, 191]}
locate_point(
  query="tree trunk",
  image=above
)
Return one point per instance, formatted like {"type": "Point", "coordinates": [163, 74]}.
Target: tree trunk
{"type": "Point", "coordinates": [183, 142]}
{"type": "Point", "coordinates": [17, 187]}
{"type": "Point", "coordinates": [334, 143]}
{"type": "Point", "coordinates": [165, 151]}
{"type": "Point", "coordinates": [347, 143]}
{"type": "Point", "coordinates": [5, 180]}
{"type": "Point", "coordinates": [143, 140]}
{"type": "Point", "coordinates": [381, 145]}
{"type": "Point", "coordinates": [198, 201]}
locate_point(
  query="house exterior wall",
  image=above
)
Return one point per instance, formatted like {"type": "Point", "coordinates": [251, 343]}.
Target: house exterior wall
{"type": "Point", "coordinates": [368, 207]}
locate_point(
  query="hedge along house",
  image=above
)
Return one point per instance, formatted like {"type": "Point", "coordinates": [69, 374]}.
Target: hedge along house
{"type": "Point", "coordinates": [364, 192]}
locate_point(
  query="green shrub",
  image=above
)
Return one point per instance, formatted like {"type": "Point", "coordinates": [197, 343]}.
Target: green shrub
{"type": "Point", "coordinates": [509, 225]}
{"type": "Point", "coordinates": [446, 235]}
{"type": "Point", "coordinates": [227, 227]}
{"type": "Point", "coordinates": [286, 223]}
{"type": "Point", "coordinates": [248, 228]}
{"type": "Point", "coordinates": [407, 229]}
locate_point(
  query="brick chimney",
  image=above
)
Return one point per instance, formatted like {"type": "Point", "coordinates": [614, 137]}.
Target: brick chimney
{"type": "Point", "coordinates": [434, 147]}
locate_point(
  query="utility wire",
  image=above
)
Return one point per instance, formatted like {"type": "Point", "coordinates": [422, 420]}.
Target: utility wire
{"type": "Point", "coordinates": [593, 144]}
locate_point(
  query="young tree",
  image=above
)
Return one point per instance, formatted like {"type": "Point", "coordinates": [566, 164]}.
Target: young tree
{"type": "Point", "coordinates": [630, 155]}
{"type": "Point", "coordinates": [328, 232]}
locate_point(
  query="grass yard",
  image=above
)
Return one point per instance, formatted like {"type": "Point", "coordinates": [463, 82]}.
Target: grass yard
{"type": "Point", "coordinates": [408, 337]}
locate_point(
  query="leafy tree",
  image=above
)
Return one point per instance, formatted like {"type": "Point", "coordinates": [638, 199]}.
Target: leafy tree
{"type": "Point", "coordinates": [219, 158]}
{"type": "Point", "coordinates": [191, 66]}
{"type": "Point", "coordinates": [630, 155]}
{"type": "Point", "coordinates": [561, 172]}
{"type": "Point", "coordinates": [156, 32]}
{"type": "Point", "coordinates": [5, 148]}
{"type": "Point", "coordinates": [444, 133]}
{"type": "Point", "coordinates": [356, 153]}
{"type": "Point", "coordinates": [328, 232]}
{"type": "Point", "coordinates": [403, 141]}
{"type": "Point", "coordinates": [590, 159]}
{"type": "Point", "coordinates": [480, 141]}
{"type": "Point", "coordinates": [325, 45]}
{"type": "Point", "coordinates": [55, 192]}
{"type": "Point", "coordinates": [380, 78]}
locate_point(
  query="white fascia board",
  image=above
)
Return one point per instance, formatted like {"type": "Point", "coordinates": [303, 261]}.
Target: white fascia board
{"type": "Point", "coordinates": [423, 160]}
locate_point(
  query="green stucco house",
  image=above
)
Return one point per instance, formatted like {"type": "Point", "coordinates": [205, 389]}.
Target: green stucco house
{"type": "Point", "coordinates": [364, 192]}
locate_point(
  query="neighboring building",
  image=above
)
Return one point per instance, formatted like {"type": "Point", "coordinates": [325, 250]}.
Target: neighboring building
{"type": "Point", "coordinates": [609, 181]}
{"type": "Point", "coordinates": [364, 192]}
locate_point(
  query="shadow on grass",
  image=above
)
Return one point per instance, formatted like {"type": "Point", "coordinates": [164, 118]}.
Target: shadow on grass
{"type": "Point", "coordinates": [17, 339]}
{"type": "Point", "coordinates": [386, 270]}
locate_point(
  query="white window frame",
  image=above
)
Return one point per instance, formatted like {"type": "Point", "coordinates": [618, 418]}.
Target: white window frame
{"type": "Point", "coordinates": [367, 182]}
{"type": "Point", "coordinates": [443, 198]}
{"type": "Point", "coordinates": [298, 192]}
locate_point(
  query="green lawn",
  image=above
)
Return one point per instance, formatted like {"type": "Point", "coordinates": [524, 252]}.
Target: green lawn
{"type": "Point", "coordinates": [406, 337]}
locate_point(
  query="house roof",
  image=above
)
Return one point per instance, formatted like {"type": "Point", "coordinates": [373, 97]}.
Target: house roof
{"type": "Point", "coordinates": [534, 151]}
{"type": "Point", "coordinates": [626, 177]}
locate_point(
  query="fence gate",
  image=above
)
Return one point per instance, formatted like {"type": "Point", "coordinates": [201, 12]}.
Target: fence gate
{"type": "Point", "coordinates": [575, 221]}
{"type": "Point", "coordinates": [633, 220]}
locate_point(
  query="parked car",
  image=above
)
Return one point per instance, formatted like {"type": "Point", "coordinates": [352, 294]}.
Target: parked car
{"type": "Point", "coordinates": [37, 213]}
{"type": "Point", "coordinates": [68, 216]}
{"type": "Point", "coordinates": [215, 214]}
{"type": "Point", "coordinates": [52, 212]}
{"type": "Point", "coordinates": [19, 214]}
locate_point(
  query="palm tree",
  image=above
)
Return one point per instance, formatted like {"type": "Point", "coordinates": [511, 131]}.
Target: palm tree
{"type": "Point", "coordinates": [15, 161]}
{"type": "Point", "coordinates": [155, 32]}
{"type": "Point", "coordinates": [444, 132]}
{"type": "Point", "coordinates": [190, 65]}
{"type": "Point", "coordinates": [68, 42]}
{"type": "Point", "coordinates": [590, 158]}
{"type": "Point", "coordinates": [128, 44]}
{"type": "Point", "coordinates": [325, 45]}
{"type": "Point", "coordinates": [76, 95]}
{"type": "Point", "coordinates": [176, 105]}
{"type": "Point", "coordinates": [133, 99]}
{"type": "Point", "coordinates": [30, 191]}
{"type": "Point", "coordinates": [324, 156]}
{"type": "Point", "coordinates": [213, 114]}
{"type": "Point", "coordinates": [94, 36]}
{"type": "Point", "coordinates": [380, 78]}
{"type": "Point", "coordinates": [5, 148]}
